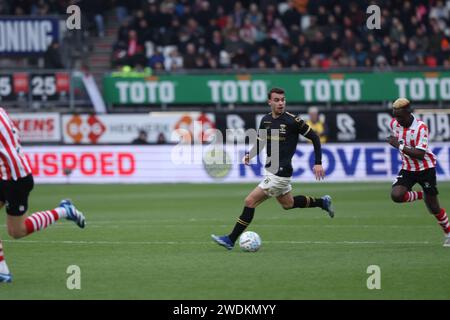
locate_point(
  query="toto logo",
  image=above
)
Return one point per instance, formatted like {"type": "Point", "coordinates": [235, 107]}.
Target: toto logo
{"type": "Point", "coordinates": [82, 128]}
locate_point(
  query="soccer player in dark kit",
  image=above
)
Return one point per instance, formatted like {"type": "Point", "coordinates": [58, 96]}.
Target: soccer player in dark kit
{"type": "Point", "coordinates": [280, 148]}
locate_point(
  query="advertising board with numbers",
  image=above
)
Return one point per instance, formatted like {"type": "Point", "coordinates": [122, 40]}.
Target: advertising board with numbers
{"type": "Point", "coordinates": [22, 86]}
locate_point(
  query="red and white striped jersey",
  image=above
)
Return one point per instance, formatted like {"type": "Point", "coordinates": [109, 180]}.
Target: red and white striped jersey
{"type": "Point", "coordinates": [13, 164]}
{"type": "Point", "coordinates": [415, 136]}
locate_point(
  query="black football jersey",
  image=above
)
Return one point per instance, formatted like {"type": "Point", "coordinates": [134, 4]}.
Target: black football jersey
{"type": "Point", "coordinates": [284, 130]}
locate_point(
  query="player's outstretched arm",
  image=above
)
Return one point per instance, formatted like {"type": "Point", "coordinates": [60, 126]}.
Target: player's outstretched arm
{"type": "Point", "coordinates": [318, 170]}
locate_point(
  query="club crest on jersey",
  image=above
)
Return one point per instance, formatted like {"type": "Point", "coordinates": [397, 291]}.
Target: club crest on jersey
{"type": "Point", "coordinates": [282, 128]}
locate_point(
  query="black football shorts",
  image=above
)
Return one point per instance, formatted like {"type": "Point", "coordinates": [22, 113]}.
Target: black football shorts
{"type": "Point", "coordinates": [426, 179]}
{"type": "Point", "coordinates": [14, 194]}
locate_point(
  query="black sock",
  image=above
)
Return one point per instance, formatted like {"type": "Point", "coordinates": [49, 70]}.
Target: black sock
{"type": "Point", "coordinates": [307, 202]}
{"type": "Point", "coordinates": [242, 223]}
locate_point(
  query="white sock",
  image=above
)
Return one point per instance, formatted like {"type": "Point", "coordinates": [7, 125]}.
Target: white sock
{"type": "Point", "coordinates": [61, 212]}
{"type": "Point", "coordinates": [4, 267]}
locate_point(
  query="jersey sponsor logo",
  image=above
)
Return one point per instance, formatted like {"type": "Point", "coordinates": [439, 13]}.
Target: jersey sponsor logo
{"type": "Point", "coordinates": [424, 140]}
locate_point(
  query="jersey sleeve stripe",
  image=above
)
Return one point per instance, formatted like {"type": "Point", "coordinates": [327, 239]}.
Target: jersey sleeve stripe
{"type": "Point", "coordinates": [309, 129]}
{"type": "Point", "coordinates": [421, 127]}
{"type": "Point", "coordinates": [391, 124]}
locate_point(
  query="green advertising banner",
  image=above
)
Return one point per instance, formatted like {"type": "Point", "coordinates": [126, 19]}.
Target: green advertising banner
{"type": "Point", "coordinates": [300, 88]}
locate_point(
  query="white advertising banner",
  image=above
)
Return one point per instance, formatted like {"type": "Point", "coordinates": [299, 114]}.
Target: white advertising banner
{"type": "Point", "coordinates": [199, 164]}
{"type": "Point", "coordinates": [38, 127]}
{"type": "Point", "coordinates": [124, 128]}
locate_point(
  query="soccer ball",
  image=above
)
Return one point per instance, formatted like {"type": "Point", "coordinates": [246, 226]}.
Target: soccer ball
{"type": "Point", "coordinates": [250, 241]}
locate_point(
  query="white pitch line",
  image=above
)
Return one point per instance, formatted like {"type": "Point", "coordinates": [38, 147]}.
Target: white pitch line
{"type": "Point", "coordinates": [210, 242]}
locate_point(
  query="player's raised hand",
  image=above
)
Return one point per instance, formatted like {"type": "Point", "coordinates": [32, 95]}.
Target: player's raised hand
{"type": "Point", "coordinates": [319, 172]}
{"type": "Point", "coordinates": [246, 159]}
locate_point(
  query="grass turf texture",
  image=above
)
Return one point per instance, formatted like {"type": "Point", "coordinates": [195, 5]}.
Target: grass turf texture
{"type": "Point", "coordinates": [153, 242]}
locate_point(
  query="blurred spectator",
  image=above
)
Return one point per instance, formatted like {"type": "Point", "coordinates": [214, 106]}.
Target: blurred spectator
{"type": "Point", "coordinates": [190, 56]}
{"type": "Point", "coordinates": [174, 61]}
{"type": "Point", "coordinates": [141, 138]}
{"type": "Point", "coordinates": [52, 57]}
{"type": "Point", "coordinates": [413, 56]}
{"type": "Point", "coordinates": [161, 138]}
{"type": "Point", "coordinates": [240, 60]}
{"type": "Point", "coordinates": [317, 124]}
{"type": "Point", "coordinates": [156, 58]}
{"type": "Point", "coordinates": [121, 10]}
{"type": "Point", "coordinates": [94, 11]}
{"type": "Point", "coordinates": [131, 52]}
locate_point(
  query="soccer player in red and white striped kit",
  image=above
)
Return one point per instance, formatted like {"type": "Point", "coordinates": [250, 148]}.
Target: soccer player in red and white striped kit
{"type": "Point", "coordinates": [410, 137]}
{"type": "Point", "coordinates": [16, 183]}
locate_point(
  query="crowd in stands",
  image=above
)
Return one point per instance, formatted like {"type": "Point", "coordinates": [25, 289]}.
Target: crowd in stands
{"type": "Point", "coordinates": [197, 34]}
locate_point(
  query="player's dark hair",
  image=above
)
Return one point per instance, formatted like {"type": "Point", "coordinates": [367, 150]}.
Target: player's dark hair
{"type": "Point", "coordinates": [274, 90]}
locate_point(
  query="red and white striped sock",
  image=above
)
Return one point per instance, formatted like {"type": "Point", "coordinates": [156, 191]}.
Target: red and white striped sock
{"type": "Point", "coordinates": [413, 196]}
{"type": "Point", "coordinates": [2, 257]}
{"type": "Point", "coordinates": [443, 220]}
{"type": "Point", "coordinates": [41, 220]}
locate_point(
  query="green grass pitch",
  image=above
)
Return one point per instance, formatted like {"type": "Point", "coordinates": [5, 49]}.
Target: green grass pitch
{"type": "Point", "coordinates": [153, 242]}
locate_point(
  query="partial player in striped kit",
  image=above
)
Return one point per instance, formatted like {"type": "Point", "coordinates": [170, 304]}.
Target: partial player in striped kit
{"type": "Point", "coordinates": [16, 183]}
{"type": "Point", "coordinates": [410, 137]}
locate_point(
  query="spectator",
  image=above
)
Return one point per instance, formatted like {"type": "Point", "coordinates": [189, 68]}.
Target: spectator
{"type": "Point", "coordinates": [190, 56]}
{"type": "Point", "coordinates": [174, 61]}
{"type": "Point", "coordinates": [317, 124]}
{"type": "Point", "coordinates": [255, 15]}
{"type": "Point", "coordinates": [240, 60]}
{"type": "Point", "coordinates": [291, 16]}
{"type": "Point", "coordinates": [248, 32]}
{"type": "Point", "coordinates": [412, 56]}
{"type": "Point", "coordinates": [52, 57]}
{"type": "Point", "coordinates": [161, 138]}
{"type": "Point", "coordinates": [278, 32]}
{"type": "Point", "coordinates": [157, 57]}
{"type": "Point", "coordinates": [141, 138]}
